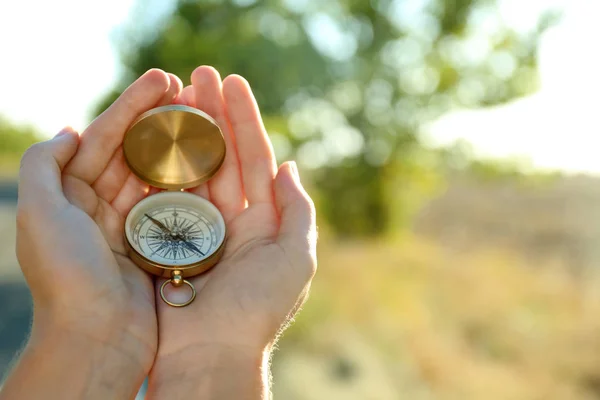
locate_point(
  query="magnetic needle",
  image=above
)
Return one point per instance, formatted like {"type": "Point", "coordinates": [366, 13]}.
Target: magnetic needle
{"type": "Point", "coordinates": [175, 234]}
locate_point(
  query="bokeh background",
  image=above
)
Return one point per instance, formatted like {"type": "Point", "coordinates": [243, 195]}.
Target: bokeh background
{"type": "Point", "coordinates": [450, 147]}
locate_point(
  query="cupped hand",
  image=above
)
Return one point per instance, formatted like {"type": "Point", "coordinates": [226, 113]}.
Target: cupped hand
{"type": "Point", "coordinates": [74, 193]}
{"type": "Point", "coordinates": [245, 301]}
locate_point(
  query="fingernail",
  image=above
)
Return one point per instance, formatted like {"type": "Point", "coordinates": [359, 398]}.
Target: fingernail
{"type": "Point", "coordinates": [64, 131]}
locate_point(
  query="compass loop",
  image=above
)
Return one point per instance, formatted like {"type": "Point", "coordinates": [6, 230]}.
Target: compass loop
{"type": "Point", "coordinates": [176, 283]}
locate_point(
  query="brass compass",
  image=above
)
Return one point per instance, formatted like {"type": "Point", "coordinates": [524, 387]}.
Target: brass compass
{"type": "Point", "coordinates": [175, 234]}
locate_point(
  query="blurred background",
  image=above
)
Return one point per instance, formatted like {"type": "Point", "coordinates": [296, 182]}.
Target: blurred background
{"type": "Point", "coordinates": [450, 147]}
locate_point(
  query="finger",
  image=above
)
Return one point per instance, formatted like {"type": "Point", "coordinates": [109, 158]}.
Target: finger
{"type": "Point", "coordinates": [255, 152]}
{"type": "Point", "coordinates": [187, 97]}
{"type": "Point", "coordinates": [132, 192]}
{"type": "Point", "coordinates": [111, 180]}
{"type": "Point", "coordinates": [297, 231]}
{"type": "Point", "coordinates": [208, 96]}
{"type": "Point", "coordinates": [226, 187]}
{"type": "Point", "coordinates": [40, 184]}
{"type": "Point", "coordinates": [100, 140]}
{"type": "Point", "coordinates": [154, 190]}
{"type": "Point", "coordinates": [174, 91]}
{"type": "Point", "coordinates": [202, 191]}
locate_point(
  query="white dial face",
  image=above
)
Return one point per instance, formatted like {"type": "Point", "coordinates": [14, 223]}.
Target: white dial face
{"type": "Point", "coordinates": [175, 228]}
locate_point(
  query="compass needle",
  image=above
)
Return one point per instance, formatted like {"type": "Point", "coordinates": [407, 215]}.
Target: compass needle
{"type": "Point", "coordinates": [193, 247]}
{"type": "Point", "coordinates": [159, 224]}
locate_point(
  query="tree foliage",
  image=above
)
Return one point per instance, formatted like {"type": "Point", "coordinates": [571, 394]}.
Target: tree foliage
{"type": "Point", "coordinates": [14, 140]}
{"type": "Point", "coordinates": [344, 85]}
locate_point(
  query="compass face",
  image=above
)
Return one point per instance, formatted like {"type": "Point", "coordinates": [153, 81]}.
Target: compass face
{"type": "Point", "coordinates": [175, 229]}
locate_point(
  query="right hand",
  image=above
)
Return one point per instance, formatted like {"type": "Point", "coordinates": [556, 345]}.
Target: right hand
{"type": "Point", "coordinates": [222, 340]}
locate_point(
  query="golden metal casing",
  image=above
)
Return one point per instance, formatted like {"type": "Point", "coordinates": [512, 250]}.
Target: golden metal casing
{"type": "Point", "coordinates": [174, 147]}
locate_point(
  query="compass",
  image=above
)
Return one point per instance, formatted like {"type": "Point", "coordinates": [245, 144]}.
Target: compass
{"type": "Point", "coordinates": [175, 234]}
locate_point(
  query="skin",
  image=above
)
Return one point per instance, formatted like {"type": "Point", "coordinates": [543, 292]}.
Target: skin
{"type": "Point", "coordinates": [268, 263]}
{"type": "Point", "coordinates": [97, 322]}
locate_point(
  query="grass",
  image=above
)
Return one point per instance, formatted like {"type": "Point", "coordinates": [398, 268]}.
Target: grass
{"type": "Point", "coordinates": [436, 324]}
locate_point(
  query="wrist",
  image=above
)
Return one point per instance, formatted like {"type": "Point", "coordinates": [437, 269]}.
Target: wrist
{"type": "Point", "coordinates": [100, 329]}
{"type": "Point", "coordinates": [211, 371]}
{"type": "Point", "coordinates": [111, 336]}
{"type": "Point", "coordinates": [61, 363]}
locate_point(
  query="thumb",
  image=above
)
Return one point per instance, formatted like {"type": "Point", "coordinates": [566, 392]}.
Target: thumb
{"type": "Point", "coordinates": [41, 166]}
{"type": "Point", "coordinates": [297, 230]}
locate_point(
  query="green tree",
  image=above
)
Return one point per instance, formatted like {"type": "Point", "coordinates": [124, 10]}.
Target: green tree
{"type": "Point", "coordinates": [344, 85]}
{"type": "Point", "coordinates": [14, 140]}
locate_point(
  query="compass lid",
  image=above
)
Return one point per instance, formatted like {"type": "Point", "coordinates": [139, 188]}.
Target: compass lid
{"type": "Point", "coordinates": [174, 147]}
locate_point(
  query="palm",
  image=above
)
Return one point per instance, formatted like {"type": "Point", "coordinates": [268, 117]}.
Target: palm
{"type": "Point", "coordinates": [110, 281]}
{"type": "Point", "coordinates": [247, 296]}
{"type": "Point", "coordinates": [240, 289]}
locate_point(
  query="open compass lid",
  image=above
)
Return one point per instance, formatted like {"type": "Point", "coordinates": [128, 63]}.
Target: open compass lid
{"type": "Point", "coordinates": [174, 147]}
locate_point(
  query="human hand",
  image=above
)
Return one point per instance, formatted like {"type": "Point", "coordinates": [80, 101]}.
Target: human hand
{"type": "Point", "coordinates": [247, 299]}
{"type": "Point", "coordinates": [90, 300]}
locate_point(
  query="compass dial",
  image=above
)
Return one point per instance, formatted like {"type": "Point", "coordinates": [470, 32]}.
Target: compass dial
{"type": "Point", "coordinates": [175, 229]}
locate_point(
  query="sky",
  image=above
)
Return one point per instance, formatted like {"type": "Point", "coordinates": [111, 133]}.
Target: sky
{"type": "Point", "coordinates": [59, 57]}
{"type": "Point", "coordinates": [556, 127]}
